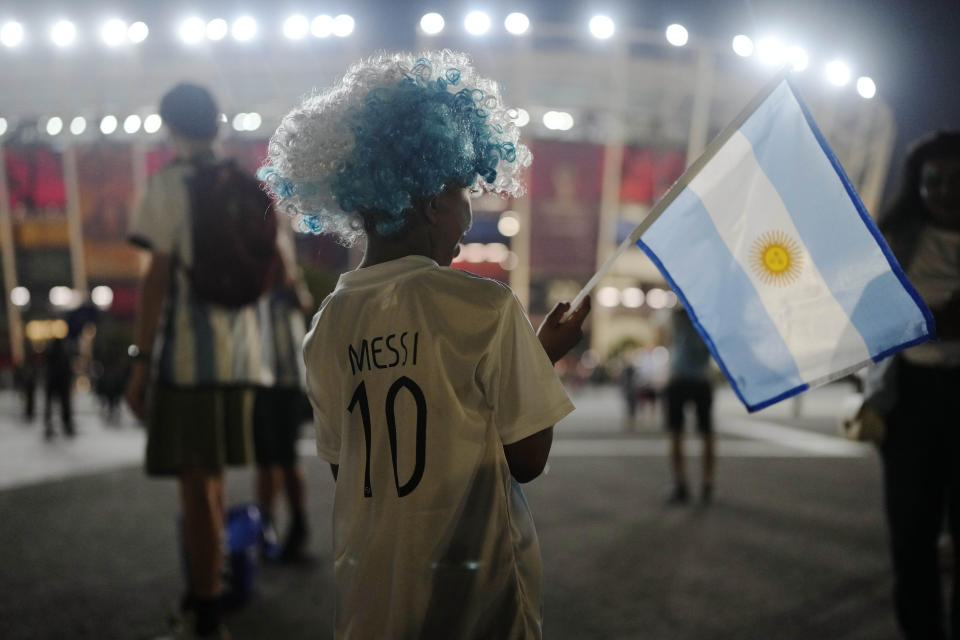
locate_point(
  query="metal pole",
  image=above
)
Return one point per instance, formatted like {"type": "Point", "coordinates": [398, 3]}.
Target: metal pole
{"type": "Point", "coordinates": [14, 320]}
{"type": "Point", "coordinates": [74, 225]}
{"type": "Point", "coordinates": [520, 245]}
{"type": "Point", "coordinates": [610, 187]}
{"type": "Point", "coordinates": [879, 161]}
{"type": "Point", "coordinates": [700, 115]}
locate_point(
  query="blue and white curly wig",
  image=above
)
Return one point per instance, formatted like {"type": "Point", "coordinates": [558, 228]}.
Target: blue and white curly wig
{"type": "Point", "coordinates": [397, 128]}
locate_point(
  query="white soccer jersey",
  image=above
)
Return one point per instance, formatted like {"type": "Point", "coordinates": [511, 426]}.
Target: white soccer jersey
{"type": "Point", "coordinates": [418, 376]}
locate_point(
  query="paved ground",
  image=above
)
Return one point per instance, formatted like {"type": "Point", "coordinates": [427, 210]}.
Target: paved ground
{"type": "Point", "coordinates": [793, 547]}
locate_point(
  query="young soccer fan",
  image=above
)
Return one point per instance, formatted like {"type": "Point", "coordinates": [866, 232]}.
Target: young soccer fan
{"type": "Point", "coordinates": [433, 397]}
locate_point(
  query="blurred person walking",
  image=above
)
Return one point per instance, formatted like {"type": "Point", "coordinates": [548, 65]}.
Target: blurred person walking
{"type": "Point", "coordinates": [58, 368]}
{"type": "Point", "coordinates": [629, 388]}
{"type": "Point", "coordinates": [211, 253]}
{"type": "Point", "coordinates": [25, 379]}
{"type": "Point", "coordinates": [689, 383]}
{"type": "Point", "coordinates": [916, 393]}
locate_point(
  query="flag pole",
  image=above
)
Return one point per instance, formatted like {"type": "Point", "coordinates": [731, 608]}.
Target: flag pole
{"type": "Point", "coordinates": [683, 181]}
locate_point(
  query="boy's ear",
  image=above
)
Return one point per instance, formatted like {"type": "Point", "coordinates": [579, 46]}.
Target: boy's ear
{"type": "Point", "coordinates": [431, 210]}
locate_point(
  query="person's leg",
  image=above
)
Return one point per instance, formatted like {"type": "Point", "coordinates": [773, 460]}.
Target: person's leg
{"type": "Point", "coordinates": [704, 404]}
{"type": "Point", "coordinates": [66, 409]}
{"type": "Point", "coordinates": [294, 480]}
{"type": "Point", "coordinates": [295, 484]}
{"type": "Point", "coordinates": [268, 477]}
{"type": "Point", "coordinates": [201, 495]}
{"type": "Point", "coordinates": [914, 500]}
{"type": "Point", "coordinates": [954, 515]}
{"type": "Point", "coordinates": [951, 438]}
{"type": "Point", "coordinates": [48, 411]}
{"type": "Point", "coordinates": [30, 392]}
{"type": "Point", "coordinates": [674, 410]}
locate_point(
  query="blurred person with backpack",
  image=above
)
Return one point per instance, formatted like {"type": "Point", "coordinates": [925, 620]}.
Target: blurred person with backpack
{"type": "Point", "coordinates": [209, 235]}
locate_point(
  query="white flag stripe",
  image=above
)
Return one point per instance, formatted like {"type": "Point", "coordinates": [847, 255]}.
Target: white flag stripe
{"type": "Point", "coordinates": [743, 205]}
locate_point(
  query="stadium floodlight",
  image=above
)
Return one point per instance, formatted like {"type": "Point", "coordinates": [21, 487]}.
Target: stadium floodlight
{"type": "Point", "coordinates": [432, 23]}
{"type": "Point", "coordinates": [114, 32]}
{"type": "Point", "coordinates": [799, 58]}
{"type": "Point", "coordinates": [677, 35]}
{"type": "Point", "coordinates": [657, 298]}
{"type": "Point", "coordinates": [477, 23]}
{"type": "Point", "coordinates": [244, 29]}
{"type": "Point", "coordinates": [192, 30]}
{"type": "Point", "coordinates": [496, 252]}
{"type": "Point", "coordinates": [322, 26]}
{"type": "Point", "coordinates": [474, 252]}
{"type": "Point", "coordinates": [771, 52]}
{"type": "Point", "coordinates": [60, 296]}
{"type": "Point", "coordinates": [608, 296]}
{"type": "Point", "coordinates": [108, 125]}
{"type": "Point", "coordinates": [102, 296]}
{"type": "Point", "coordinates": [216, 30]}
{"type": "Point", "coordinates": [20, 296]}
{"type": "Point", "coordinates": [131, 124]}
{"type": "Point", "coordinates": [251, 121]}
{"type": "Point", "coordinates": [63, 33]}
{"type": "Point", "coordinates": [742, 46]}
{"type": "Point", "coordinates": [296, 27]}
{"type": "Point", "coordinates": [632, 297]}
{"type": "Point", "coordinates": [3, 125]}
{"type": "Point", "coordinates": [509, 224]}
{"type": "Point", "coordinates": [78, 125]}
{"type": "Point", "coordinates": [238, 121]}
{"type": "Point", "coordinates": [602, 27]}
{"type": "Point", "coordinates": [11, 34]}
{"type": "Point", "coordinates": [866, 87]}
{"type": "Point", "coordinates": [151, 124]}
{"type": "Point", "coordinates": [54, 126]}
{"type": "Point", "coordinates": [557, 120]}
{"type": "Point", "coordinates": [343, 25]}
{"type": "Point", "coordinates": [517, 23]}
{"type": "Point", "coordinates": [522, 118]}
{"type": "Point", "coordinates": [838, 73]}
{"type": "Point", "coordinates": [138, 32]}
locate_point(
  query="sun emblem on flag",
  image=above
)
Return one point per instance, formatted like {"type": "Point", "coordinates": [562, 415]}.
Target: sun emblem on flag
{"type": "Point", "coordinates": [776, 258]}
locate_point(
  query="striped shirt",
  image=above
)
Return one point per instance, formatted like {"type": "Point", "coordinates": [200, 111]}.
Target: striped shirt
{"type": "Point", "coordinates": [197, 344]}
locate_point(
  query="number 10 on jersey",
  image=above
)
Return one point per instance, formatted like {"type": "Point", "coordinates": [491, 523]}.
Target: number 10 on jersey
{"type": "Point", "coordinates": [360, 399]}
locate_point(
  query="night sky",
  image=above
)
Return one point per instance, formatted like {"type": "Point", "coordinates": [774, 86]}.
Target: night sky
{"type": "Point", "coordinates": [910, 47]}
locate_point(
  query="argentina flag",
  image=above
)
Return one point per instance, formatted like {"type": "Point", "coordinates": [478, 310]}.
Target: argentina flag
{"type": "Point", "coordinates": [773, 254]}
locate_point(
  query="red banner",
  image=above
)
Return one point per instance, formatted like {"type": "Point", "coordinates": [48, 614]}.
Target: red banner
{"type": "Point", "coordinates": [648, 173]}
{"type": "Point", "coordinates": [35, 180]}
{"type": "Point", "coordinates": [565, 185]}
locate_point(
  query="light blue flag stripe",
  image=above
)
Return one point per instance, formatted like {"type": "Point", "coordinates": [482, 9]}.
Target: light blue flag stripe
{"type": "Point", "coordinates": [739, 327]}
{"type": "Point", "coordinates": [794, 157]}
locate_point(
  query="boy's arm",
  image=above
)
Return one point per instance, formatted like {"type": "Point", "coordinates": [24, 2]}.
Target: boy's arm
{"type": "Point", "coordinates": [528, 457]}
{"type": "Point", "coordinates": [153, 293]}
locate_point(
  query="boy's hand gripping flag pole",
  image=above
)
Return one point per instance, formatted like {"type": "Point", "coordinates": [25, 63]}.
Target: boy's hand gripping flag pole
{"type": "Point", "coordinates": [770, 249]}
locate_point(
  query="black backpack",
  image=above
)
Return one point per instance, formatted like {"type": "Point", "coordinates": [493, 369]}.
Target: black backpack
{"type": "Point", "coordinates": [235, 257]}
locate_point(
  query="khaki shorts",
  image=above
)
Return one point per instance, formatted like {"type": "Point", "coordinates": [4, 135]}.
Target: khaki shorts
{"type": "Point", "coordinates": [206, 428]}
